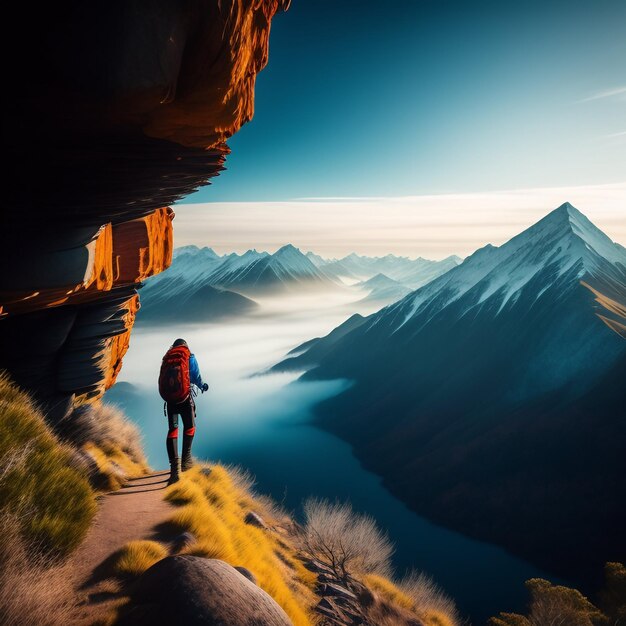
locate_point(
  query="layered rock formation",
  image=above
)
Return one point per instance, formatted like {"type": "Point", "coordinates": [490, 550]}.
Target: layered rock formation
{"type": "Point", "coordinates": [116, 111]}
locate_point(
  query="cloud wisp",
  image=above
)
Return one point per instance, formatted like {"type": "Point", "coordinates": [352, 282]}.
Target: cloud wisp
{"type": "Point", "coordinates": [606, 93]}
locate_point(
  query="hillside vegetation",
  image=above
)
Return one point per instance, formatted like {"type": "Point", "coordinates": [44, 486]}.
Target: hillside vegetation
{"type": "Point", "coordinates": [333, 565]}
{"type": "Point", "coordinates": [48, 479]}
{"type": "Point", "coordinates": [48, 486]}
{"type": "Point", "coordinates": [557, 605]}
{"type": "Point", "coordinates": [332, 568]}
{"type": "Point", "coordinates": [41, 481]}
{"type": "Point", "coordinates": [214, 505]}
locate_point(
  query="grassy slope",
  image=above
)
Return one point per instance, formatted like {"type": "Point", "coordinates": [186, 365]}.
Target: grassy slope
{"type": "Point", "coordinates": [48, 483]}
{"type": "Point", "coordinates": [47, 495]}
{"type": "Point", "coordinates": [213, 503]}
{"type": "Point", "coordinates": [39, 481]}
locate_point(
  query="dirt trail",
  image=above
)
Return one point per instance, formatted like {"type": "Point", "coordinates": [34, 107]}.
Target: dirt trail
{"type": "Point", "coordinates": [133, 512]}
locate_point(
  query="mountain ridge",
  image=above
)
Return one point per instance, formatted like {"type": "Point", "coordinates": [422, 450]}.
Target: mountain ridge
{"type": "Point", "coordinates": [469, 362]}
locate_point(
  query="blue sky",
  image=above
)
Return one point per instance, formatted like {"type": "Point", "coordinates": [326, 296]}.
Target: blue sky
{"type": "Point", "coordinates": [409, 97]}
{"type": "Point", "coordinates": [415, 98]}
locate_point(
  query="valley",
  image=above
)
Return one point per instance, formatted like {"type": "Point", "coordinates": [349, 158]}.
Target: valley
{"type": "Point", "coordinates": [264, 424]}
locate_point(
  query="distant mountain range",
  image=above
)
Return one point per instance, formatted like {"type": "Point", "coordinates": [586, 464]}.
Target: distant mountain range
{"type": "Point", "coordinates": [493, 399]}
{"type": "Point", "coordinates": [202, 285]}
{"type": "Point", "coordinates": [411, 273]}
{"type": "Point", "coordinates": [381, 288]}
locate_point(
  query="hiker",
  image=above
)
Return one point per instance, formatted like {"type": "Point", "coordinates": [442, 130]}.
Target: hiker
{"type": "Point", "coordinates": [179, 371]}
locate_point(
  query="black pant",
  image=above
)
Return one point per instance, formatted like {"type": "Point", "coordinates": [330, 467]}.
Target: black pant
{"type": "Point", "coordinates": [187, 411]}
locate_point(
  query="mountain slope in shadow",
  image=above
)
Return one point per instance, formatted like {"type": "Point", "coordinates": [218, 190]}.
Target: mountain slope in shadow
{"type": "Point", "coordinates": [178, 300]}
{"type": "Point", "coordinates": [492, 399]}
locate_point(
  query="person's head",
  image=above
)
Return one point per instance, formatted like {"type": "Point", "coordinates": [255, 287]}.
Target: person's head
{"type": "Point", "coordinates": [179, 342]}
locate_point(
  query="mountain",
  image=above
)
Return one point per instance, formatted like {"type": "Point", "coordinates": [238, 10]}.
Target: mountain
{"type": "Point", "coordinates": [201, 285]}
{"type": "Point", "coordinates": [492, 399]}
{"type": "Point", "coordinates": [381, 288]}
{"type": "Point", "coordinates": [258, 273]}
{"type": "Point", "coordinates": [422, 271]}
{"type": "Point", "coordinates": [309, 353]}
{"type": "Point", "coordinates": [184, 293]}
{"type": "Point", "coordinates": [412, 273]}
{"type": "Point", "coordinates": [177, 301]}
{"type": "Point", "coordinates": [316, 259]}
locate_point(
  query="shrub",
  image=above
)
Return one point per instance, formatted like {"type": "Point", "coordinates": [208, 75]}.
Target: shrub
{"type": "Point", "coordinates": [39, 483]}
{"type": "Point", "coordinates": [347, 542]}
{"type": "Point", "coordinates": [429, 601]}
{"type": "Point", "coordinates": [106, 427]}
{"type": "Point", "coordinates": [613, 598]}
{"type": "Point", "coordinates": [554, 605]}
{"type": "Point", "coordinates": [137, 556]}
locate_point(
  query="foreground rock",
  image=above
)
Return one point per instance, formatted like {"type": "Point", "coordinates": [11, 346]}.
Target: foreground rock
{"type": "Point", "coordinates": [193, 591]}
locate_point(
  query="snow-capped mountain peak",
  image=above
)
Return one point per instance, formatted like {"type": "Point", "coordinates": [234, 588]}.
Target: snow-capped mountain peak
{"type": "Point", "coordinates": [292, 261]}
{"type": "Point", "coordinates": [288, 251]}
{"type": "Point", "coordinates": [204, 252]}
{"type": "Point", "coordinates": [563, 241]}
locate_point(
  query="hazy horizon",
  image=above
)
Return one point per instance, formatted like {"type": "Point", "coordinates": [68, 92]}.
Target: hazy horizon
{"type": "Point", "coordinates": [429, 226]}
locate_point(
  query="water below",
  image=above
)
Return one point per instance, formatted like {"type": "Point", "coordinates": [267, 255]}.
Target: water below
{"type": "Point", "coordinates": [263, 423]}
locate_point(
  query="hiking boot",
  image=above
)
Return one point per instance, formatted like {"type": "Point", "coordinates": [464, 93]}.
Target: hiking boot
{"type": "Point", "coordinates": [174, 472]}
{"type": "Point", "coordinates": [187, 458]}
{"type": "Point", "coordinates": [187, 463]}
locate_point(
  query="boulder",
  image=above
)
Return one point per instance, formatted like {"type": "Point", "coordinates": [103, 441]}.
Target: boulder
{"type": "Point", "coordinates": [336, 591]}
{"type": "Point", "coordinates": [195, 591]}
{"type": "Point", "coordinates": [254, 519]}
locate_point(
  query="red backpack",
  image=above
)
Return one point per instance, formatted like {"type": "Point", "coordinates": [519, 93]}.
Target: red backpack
{"type": "Point", "coordinates": [174, 381]}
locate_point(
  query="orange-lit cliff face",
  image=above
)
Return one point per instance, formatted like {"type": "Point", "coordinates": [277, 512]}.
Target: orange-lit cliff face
{"type": "Point", "coordinates": [117, 110]}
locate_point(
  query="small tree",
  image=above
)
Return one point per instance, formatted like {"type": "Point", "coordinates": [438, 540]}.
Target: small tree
{"type": "Point", "coordinates": [613, 598]}
{"type": "Point", "coordinates": [345, 541]}
{"type": "Point", "coordinates": [553, 605]}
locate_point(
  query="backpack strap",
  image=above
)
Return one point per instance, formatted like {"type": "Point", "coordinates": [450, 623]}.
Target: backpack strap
{"type": "Point", "coordinates": [165, 409]}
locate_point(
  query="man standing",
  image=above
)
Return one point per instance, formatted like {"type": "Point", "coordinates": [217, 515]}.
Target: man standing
{"type": "Point", "coordinates": [179, 370]}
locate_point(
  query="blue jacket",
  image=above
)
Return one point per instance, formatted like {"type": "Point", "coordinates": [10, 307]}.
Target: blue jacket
{"type": "Point", "coordinates": [194, 371]}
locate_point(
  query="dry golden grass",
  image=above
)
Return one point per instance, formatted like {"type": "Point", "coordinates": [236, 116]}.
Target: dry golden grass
{"type": "Point", "coordinates": [213, 508]}
{"type": "Point", "coordinates": [432, 605]}
{"type": "Point", "coordinates": [418, 594]}
{"type": "Point", "coordinates": [27, 596]}
{"type": "Point", "coordinates": [113, 465]}
{"type": "Point", "coordinates": [105, 426]}
{"type": "Point", "coordinates": [109, 439]}
{"type": "Point", "coordinates": [39, 482]}
{"type": "Point", "coordinates": [137, 556]}
{"type": "Point", "coordinates": [388, 590]}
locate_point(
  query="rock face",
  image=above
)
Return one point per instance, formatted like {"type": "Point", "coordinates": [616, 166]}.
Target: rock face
{"type": "Point", "coordinates": [117, 110]}
{"type": "Point", "coordinates": [193, 591]}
